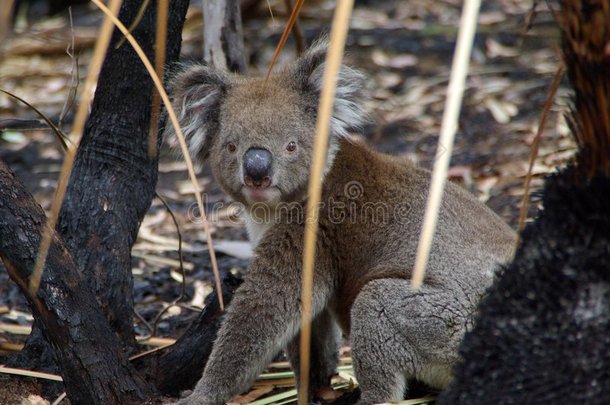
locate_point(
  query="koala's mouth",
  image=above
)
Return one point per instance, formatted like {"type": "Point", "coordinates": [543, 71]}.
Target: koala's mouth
{"type": "Point", "coordinates": [261, 194]}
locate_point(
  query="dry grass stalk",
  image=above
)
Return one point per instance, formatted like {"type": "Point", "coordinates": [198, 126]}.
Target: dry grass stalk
{"type": "Point", "coordinates": [535, 146]}
{"type": "Point", "coordinates": [291, 21]}
{"type": "Point", "coordinates": [29, 373]}
{"type": "Point", "coordinates": [338, 34]}
{"type": "Point", "coordinates": [455, 90]}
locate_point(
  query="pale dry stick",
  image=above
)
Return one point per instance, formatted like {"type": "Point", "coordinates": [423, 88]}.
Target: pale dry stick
{"type": "Point", "coordinates": [60, 398]}
{"type": "Point", "coordinates": [30, 373]}
{"type": "Point", "coordinates": [179, 135]}
{"type": "Point", "coordinates": [160, 41]}
{"type": "Point", "coordinates": [99, 52]}
{"type": "Point", "coordinates": [455, 90]}
{"type": "Point", "coordinates": [338, 33]}
{"type": "Point", "coordinates": [535, 146]}
{"type": "Point", "coordinates": [270, 12]}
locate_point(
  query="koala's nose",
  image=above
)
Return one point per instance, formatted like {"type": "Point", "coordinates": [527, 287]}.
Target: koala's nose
{"type": "Point", "coordinates": [257, 167]}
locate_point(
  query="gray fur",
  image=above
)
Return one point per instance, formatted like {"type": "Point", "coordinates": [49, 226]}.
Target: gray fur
{"type": "Point", "coordinates": [369, 225]}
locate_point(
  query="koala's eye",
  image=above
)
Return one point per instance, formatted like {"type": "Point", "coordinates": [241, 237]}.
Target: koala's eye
{"type": "Point", "coordinates": [291, 146]}
{"type": "Point", "coordinates": [231, 147]}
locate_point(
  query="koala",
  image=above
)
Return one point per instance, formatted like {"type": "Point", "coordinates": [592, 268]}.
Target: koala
{"type": "Point", "coordinates": [258, 138]}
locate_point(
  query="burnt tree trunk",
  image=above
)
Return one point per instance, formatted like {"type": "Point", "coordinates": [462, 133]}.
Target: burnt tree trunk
{"type": "Point", "coordinates": [113, 180]}
{"type": "Point", "coordinates": [94, 368]}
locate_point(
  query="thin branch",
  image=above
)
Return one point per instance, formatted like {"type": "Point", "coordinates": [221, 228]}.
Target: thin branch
{"type": "Point", "coordinates": [291, 21]}
{"type": "Point", "coordinates": [297, 32]}
{"type": "Point", "coordinates": [536, 144]}
{"type": "Point", "coordinates": [59, 135]}
{"type": "Point", "coordinates": [74, 75]}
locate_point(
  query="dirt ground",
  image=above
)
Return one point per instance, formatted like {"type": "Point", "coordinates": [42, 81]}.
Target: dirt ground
{"type": "Point", "coordinates": [405, 48]}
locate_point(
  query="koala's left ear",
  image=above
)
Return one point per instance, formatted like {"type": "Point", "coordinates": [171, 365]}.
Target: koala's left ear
{"type": "Point", "coordinates": [197, 92]}
{"type": "Point", "coordinates": [308, 73]}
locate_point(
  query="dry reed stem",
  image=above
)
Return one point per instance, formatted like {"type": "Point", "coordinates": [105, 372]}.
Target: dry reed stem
{"type": "Point", "coordinates": [340, 26]}
{"type": "Point", "coordinates": [291, 21]}
{"type": "Point", "coordinates": [535, 146]}
{"type": "Point", "coordinates": [99, 53]}
{"type": "Point", "coordinates": [455, 90]}
{"type": "Point", "coordinates": [174, 120]}
{"type": "Point", "coordinates": [29, 373]}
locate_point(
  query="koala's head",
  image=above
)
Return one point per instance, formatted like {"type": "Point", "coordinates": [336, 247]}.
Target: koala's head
{"type": "Point", "coordinates": [258, 136]}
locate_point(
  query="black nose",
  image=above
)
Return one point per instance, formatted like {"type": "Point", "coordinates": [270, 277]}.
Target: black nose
{"type": "Point", "coordinates": [257, 165]}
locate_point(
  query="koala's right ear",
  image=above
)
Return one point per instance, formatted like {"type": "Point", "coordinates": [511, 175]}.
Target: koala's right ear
{"type": "Point", "coordinates": [197, 92]}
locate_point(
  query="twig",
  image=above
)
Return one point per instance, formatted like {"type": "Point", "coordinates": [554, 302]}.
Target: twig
{"type": "Point", "coordinates": [536, 144]}
{"type": "Point", "coordinates": [291, 21]}
{"type": "Point", "coordinates": [29, 373]}
{"type": "Point", "coordinates": [75, 74]}
{"type": "Point", "coordinates": [59, 398]}
{"type": "Point", "coordinates": [59, 135]}
{"type": "Point", "coordinates": [146, 324]}
{"type": "Point", "coordinates": [297, 32]}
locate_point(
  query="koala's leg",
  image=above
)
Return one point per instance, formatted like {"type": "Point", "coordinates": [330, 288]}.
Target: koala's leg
{"type": "Point", "coordinates": [398, 334]}
{"type": "Point", "coordinates": [325, 339]}
{"type": "Point", "coordinates": [263, 318]}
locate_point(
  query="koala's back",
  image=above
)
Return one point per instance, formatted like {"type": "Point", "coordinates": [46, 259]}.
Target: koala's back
{"type": "Point", "coordinates": [373, 210]}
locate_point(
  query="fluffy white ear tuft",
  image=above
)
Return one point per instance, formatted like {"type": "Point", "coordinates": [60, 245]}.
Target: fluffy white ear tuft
{"type": "Point", "coordinates": [197, 93]}
{"type": "Point", "coordinates": [348, 111]}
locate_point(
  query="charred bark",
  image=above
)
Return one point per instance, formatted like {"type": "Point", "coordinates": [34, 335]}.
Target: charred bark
{"type": "Point", "coordinates": [94, 368]}
{"type": "Point", "coordinates": [543, 333]}
{"type": "Point", "coordinates": [181, 366]}
{"type": "Point", "coordinates": [113, 180]}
